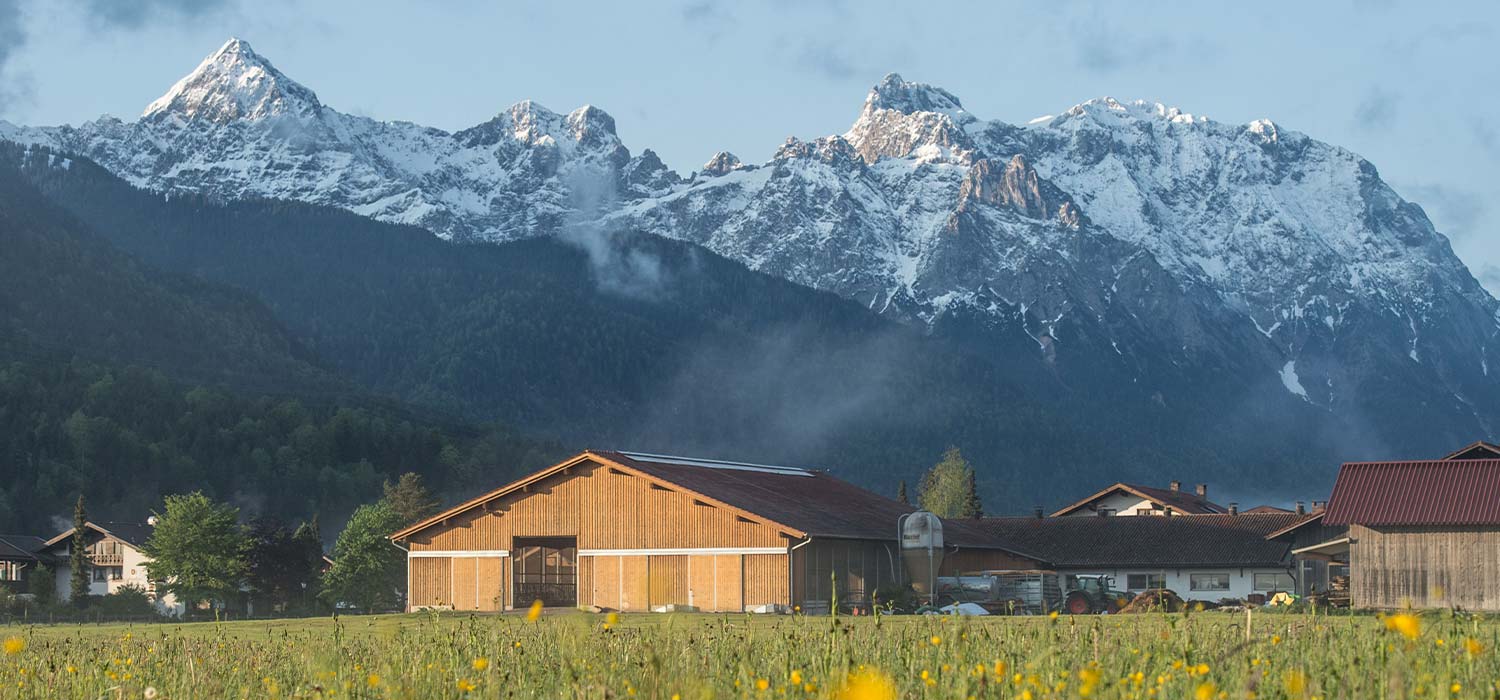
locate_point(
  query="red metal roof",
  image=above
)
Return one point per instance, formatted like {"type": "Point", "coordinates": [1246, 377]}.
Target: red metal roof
{"type": "Point", "coordinates": [1433, 492]}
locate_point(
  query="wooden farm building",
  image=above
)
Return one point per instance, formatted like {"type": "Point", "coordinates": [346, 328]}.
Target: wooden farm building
{"type": "Point", "coordinates": [631, 531]}
{"type": "Point", "coordinates": [1419, 533]}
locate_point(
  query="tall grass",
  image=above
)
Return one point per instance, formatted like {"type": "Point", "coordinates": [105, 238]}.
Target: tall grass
{"type": "Point", "coordinates": [1199, 656]}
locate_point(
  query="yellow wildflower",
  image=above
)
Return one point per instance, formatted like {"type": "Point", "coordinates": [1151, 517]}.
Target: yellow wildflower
{"type": "Point", "coordinates": [1206, 691]}
{"type": "Point", "coordinates": [1472, 647]}
{"type": "Point", "coordinates": [1275, 639]}
{"type": "Point", "coordinates": [1052, 615]}
{"type": "Point", "coordinates": [372, 680]}
{"type": "Point", "coordinates": [1405, 623]}
{"type": "Point", "coordinates": [1201, 669]}
{"type": "Point", "coordinates": [867, 684]}
{"type": "Point", "coordinates": [14, 645]}
{"type": "Point", "coordinates": [796, 677]}
{"type": "Point", "coordinates": [481, 663]}
{"type": "Point", "coordinates": [465, 685]}
{"type": "Point", "coordinates": [1295, 683]}
{"type": "Point", "coordinates": [762, 683]}
{"type": "Point", "coordinates": [1455, 689]}
{"type": "Point", "coordinates": [936, 640]}
{"type": "Point", "coordinates": [611, 620]}
{"type": "Point", "coordinates": [535, 611]}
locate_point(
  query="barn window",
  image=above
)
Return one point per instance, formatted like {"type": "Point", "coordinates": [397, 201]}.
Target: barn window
{"type": "Point", "coordinates": [1142, 582]}
{"type": "Point", "coordinates": [1208, 582]}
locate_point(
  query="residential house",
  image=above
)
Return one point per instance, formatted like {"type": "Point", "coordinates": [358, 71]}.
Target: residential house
{"type": "Point", "coordinates": [1200, 557]}
{"type": "Point", "coordinates": [1134, 499]}
{"type": "Point", "coordinates": [633, 531]}
{"type": "Point", "coordinates": [116, 561]}
{"type": "Point", "coordinates": [20, 558]}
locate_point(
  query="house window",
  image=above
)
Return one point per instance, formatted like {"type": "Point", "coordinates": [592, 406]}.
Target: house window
{"type": "Point", "coordinates": [1145, 511]}
{"type": "Point", "coordinates": [1274, 582]}
{"type": "Point", "coordinates": [1142, 582]}
{"type": "Point", "coordinates": [1208, 582]}
{"type": "Point", "coordinates": [109, 573]}
{"type": "Point", "coordinates": [1106, 512]}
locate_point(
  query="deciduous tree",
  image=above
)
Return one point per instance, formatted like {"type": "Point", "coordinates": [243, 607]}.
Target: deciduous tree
{"type": "Point", "coordinates": [949, 490]}
{"type": "Point", "coordinates": [197, 549]}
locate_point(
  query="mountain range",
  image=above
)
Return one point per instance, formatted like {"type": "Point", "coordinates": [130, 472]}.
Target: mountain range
{"type": "Point", "coordinates": [1118, 259]}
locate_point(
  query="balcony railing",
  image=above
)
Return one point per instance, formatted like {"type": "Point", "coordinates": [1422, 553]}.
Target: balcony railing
{"type": "Point", "coordinates": [107, 559]}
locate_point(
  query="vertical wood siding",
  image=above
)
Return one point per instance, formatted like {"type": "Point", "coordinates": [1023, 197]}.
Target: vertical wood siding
{"type": "Point", "coordinates": [606, 510]}
{"type": "Point", "coordinates": [1425, 567]}
{"type": "Point", "coordinates": [430, 582]}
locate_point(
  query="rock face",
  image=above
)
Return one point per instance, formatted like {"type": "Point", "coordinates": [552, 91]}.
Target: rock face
{"type": "Point", "coordinates": [1138, 250]}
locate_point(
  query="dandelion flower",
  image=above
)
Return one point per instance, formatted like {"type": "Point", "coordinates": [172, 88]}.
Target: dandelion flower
{"type": "Point", "coordinates": [762, 683]}
{"type": "Point", "coordinates": [481, 663]}
{"type": "Point", "coordinates": [14, 645]}
{"type": "Point", "coordinates": [372, 680]}
{"type": "Point", "coordinates": [611, 620]}
{"type": "Point", "coordinates": [1405, 623]}
{"type": "Point", "coordinates": [936, 640]}
{"type": "Point", "coordinates": [535, 611]}
{"type": "Point", "coordinates": [868, 684]}
{"type": "Point", "coordinates": [1206, 691]}
{"type": "Point", "coordinates": [465, 685]}
{"type": "Point", "coordinates": [796, 677]}
{"type": "Point", "coordinates": [1472, 647]}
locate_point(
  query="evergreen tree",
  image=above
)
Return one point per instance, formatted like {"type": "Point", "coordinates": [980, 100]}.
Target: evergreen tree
{"type": "Point", "coordinates": [949, 490]}
{"type": "Point", "coordinates": [78, 556]}
{"type": "Point", "coordinates": [198, 549]}
{"type": "Point", "coordinates": [901, 493]}
{"type": "Point", "coordinates": [309, 541]}
{"type": "Point", "coordinates": [410, 499]}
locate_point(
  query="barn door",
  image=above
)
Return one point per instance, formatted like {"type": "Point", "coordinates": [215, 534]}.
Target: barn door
{"type": "Point", "coordinates": [546, 569]}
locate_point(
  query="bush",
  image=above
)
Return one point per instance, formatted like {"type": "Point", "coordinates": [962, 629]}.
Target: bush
{"type": "Point", "coordinates": [126, 601]}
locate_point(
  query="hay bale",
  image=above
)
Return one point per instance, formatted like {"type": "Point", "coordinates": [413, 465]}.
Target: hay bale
{"type": "Point", "coordinates": [1156, 600]}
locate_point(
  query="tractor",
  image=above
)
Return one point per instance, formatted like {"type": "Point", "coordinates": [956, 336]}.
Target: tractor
{"type": "Point", "coordinates": [1087, 594]}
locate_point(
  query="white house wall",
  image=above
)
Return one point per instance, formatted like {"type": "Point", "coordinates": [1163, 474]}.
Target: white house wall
{"type": "Point", "coordinates": [1120, 503]}
{"type": "Point", "coordinates": [132, 572]}
{"type": "Point", "coordinates": [1241, 580]}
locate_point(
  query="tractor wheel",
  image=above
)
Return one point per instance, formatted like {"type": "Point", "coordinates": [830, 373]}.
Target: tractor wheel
{"type": "Point", "coordinates": [1078, 604]}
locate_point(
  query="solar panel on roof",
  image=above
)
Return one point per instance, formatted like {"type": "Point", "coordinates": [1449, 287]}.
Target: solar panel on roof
{"type": "Point", "coordinates": [716, 464]}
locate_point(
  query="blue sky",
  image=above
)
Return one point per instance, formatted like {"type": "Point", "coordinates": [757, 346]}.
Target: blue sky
{"type": "Point", "coordinates": [1412, 86]}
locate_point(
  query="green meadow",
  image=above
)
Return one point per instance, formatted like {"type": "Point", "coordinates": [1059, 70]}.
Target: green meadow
{"type": "Point", "coordinates": [582, 655]}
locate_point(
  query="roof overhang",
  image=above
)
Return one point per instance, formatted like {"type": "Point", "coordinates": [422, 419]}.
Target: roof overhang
{"type": "Point", "coordinates": [565, 465]}
{"type": "Point", "coordinates": [1331, 548]}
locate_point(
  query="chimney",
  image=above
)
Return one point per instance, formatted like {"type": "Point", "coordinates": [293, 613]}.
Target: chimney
{"type": "Point", "coordinates": [1176, 486]}
{"type": "Point", "coordinates": [1234, 508]}
{"type": "Point", "coordinates": [1202, 490]}
{"type": "Point", "coordinates": [1038, 512]}
{"type": "Point", "coordinates": [1168, 511]}
{"type": "Point", "coordinates": [1320, 504]}
{"type": "Point", "coordinates": [1301, 509]}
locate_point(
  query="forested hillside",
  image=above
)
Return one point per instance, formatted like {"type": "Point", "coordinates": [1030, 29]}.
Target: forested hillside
{"type": "Point", "coordinates": [123, 437]}
{"type": "Point", "coordinates": [630, 340]}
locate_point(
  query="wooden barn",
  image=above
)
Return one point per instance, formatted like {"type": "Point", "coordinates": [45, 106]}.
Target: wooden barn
{"type": "Point", "coordinates": [1422, 533]}
{"type": "Point", "coordinates": [635, 532]}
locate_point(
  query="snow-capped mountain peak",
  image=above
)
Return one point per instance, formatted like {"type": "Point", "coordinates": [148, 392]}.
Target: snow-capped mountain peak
{"type": "Point", "coordinates": [900, 117]}
{"type": "Point", "coordinates": [234, 83]}
{"type": "Point", "coordinates": [1133, 245]}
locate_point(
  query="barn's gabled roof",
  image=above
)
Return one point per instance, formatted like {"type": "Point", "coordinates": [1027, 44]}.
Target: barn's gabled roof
{"type": "Point", "coordinates": [1180, 502]}
{"type": "Point", "coordinates": [1146, 541]}
{"type": "Point", "coordinates": [1433, 492]}
{"type": "Point", "coordinates": [800, 502]}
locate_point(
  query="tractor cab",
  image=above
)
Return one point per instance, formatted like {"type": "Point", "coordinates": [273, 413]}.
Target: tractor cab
{"type": "Point", "coordinates": [1085, 594]}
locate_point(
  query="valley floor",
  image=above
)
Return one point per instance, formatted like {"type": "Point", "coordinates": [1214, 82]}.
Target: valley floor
{"type": "Point", "coordinates": [1202, 655]}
